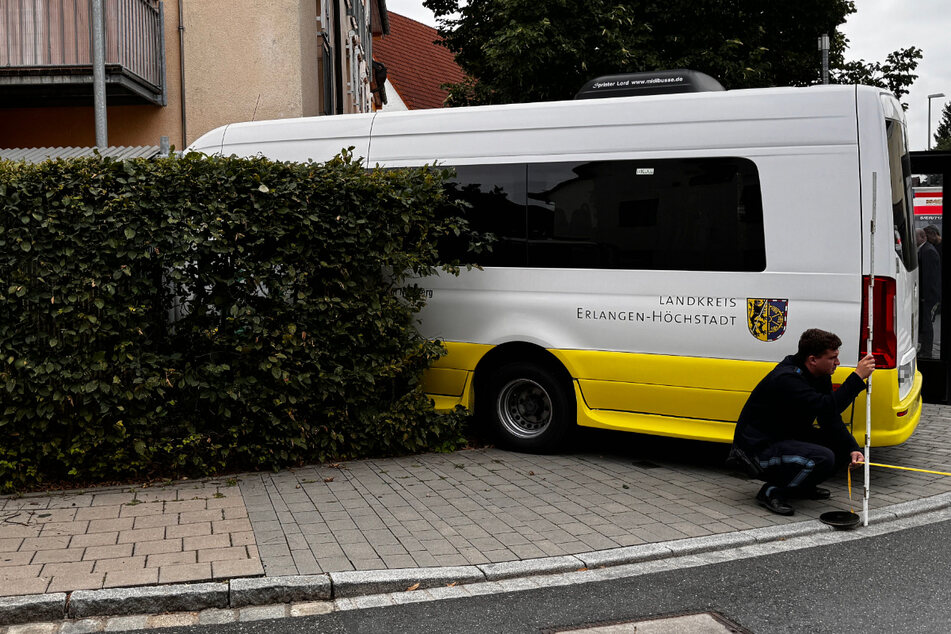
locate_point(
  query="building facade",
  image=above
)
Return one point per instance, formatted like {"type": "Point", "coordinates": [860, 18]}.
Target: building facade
{"type": "Point", "coordinates": [178, 68]}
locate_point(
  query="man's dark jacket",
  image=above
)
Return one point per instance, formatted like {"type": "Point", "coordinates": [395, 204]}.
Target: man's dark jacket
{"type": "Point", "coordinates": [787, 401]}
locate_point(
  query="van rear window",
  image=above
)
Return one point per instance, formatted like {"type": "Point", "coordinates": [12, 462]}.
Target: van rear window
{"type": "Point", "coordinates": [899, 163]}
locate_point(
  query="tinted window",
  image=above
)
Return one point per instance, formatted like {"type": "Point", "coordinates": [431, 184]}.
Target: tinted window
{"type": "Point", "coordinates": [671, 214]}
{"type": "Point", "coordinates": [900, 169]}
{"type": "Point", "coordinates": [496, 195]}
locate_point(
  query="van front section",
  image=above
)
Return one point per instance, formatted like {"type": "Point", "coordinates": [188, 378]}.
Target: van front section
{"type": "Point", "coordinates": [890, 267]}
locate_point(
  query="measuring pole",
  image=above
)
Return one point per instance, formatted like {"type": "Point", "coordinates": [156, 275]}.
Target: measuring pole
{"type": "Point", "coordinates": [868, 346]}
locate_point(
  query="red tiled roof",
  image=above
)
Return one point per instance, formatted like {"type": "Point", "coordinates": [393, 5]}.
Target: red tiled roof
{"type": "Point", "coordinates": [415, 65]}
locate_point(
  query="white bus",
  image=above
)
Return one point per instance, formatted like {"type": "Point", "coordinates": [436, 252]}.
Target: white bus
{"type": "Point", "coordinates": [656, 254]}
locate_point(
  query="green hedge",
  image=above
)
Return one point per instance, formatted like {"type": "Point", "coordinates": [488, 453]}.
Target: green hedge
{"type": "Point", "coordinates": [186, 316]}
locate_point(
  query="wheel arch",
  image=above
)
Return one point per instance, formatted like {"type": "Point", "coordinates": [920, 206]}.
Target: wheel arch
{"type": "Point", "coordinates": [513, 351]}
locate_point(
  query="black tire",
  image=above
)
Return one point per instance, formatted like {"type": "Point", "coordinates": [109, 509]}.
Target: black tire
{"type": "Point", "coordinates": [528, 407]}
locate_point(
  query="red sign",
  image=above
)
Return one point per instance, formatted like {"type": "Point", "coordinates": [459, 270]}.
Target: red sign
{"type": "Point", "coordinates": [928, 201]}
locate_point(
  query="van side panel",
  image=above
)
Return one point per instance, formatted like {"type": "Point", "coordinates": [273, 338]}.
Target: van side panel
{"type": "Point", "coordinates": [669, 352]}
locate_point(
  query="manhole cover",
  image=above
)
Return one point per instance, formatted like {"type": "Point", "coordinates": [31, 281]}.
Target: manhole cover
{"type": "Point", "coordinates": [702, 623]}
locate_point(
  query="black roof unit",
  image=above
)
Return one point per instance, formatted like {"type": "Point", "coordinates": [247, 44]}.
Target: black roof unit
{"type": "Point", "coordinates": [660, 82]}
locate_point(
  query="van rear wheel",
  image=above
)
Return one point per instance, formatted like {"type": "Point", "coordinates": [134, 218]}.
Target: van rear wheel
{"type": "Point", "coordinates": [528, 407]}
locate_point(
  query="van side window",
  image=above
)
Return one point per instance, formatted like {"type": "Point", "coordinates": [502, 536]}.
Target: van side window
{"type": "Point", "coordinates": [496, 195]}
{"type": "Point", "coordinates": [700, 214]}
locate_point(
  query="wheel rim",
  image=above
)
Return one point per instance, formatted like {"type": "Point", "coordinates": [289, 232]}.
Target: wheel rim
{"type": "Point", "coordinates": [524, 408]}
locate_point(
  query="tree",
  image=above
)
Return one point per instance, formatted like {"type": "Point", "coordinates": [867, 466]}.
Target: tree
{"type": "Point", "coordinates": [526, 50]}
{"type": "Point", "coordinates": [942, 136]}
{"type": "Point", "coordinates": [896, 74]}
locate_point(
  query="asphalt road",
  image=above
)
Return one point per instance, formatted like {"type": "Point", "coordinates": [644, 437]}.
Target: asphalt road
{"type": "Point", "coordinates": [894, 582]}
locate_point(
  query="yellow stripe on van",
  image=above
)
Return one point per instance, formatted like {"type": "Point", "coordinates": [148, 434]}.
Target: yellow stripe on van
{"type": "Point", "coordinates": [681, 397]}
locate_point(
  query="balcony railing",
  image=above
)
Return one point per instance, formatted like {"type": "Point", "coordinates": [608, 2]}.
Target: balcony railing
{"type": "Point", "coordinates": [45, 49]}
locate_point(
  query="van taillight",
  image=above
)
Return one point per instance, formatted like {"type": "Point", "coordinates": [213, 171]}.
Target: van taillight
{"type": "Point", "coordinates": [884, 342]}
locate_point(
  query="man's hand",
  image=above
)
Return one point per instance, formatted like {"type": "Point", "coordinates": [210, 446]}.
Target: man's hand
{"type": "Point", "coordinates": [865, 367]}
{"type": "Point", "coordinates": [857, 458]}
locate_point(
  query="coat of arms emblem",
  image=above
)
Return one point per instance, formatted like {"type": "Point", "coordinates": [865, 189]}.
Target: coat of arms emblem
{"type": "Point", "coordinates": [766, 318]}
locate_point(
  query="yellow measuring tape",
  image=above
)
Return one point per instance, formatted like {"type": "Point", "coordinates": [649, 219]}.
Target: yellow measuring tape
{"type": "Point", "coordinates": [891, 466]}
{"type": "Point", "coordinates": [888, 466]}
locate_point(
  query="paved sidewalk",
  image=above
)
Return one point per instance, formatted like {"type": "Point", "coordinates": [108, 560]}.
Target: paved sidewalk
{"type": "Point", "coordinates": [389, 518]}
{"type": "Point", "coordinates": [106, 538]}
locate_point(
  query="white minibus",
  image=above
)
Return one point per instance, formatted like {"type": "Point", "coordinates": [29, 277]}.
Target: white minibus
{"type": "Point", "coordinates": [656, 254]}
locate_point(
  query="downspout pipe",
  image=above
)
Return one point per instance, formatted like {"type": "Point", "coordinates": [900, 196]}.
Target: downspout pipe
{"type": "Point", "coordinates": [99, 74]}
{"type": "Point", "coordinates": [181, 63]}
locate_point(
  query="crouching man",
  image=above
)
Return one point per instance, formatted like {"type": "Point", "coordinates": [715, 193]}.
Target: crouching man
{"type": "Point", "coordinates": [775, 438]}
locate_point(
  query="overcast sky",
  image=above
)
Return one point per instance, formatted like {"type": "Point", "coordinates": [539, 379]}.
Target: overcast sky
{"type": "Point", "coordinates": [878, 28]}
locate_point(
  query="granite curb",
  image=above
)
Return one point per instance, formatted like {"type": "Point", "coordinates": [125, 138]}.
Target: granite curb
{"type": "Point", "coordinates": [258, 591]}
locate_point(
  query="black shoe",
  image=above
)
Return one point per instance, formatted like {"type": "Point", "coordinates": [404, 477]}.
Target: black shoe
{"type": "Point", "coordinates": [774, 502]}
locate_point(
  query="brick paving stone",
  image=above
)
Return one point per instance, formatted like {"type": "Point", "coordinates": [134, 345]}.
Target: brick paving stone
{"type": "Point", "coordinates": [10, 544]}
{"type": "Point", "coordinates": [127, 578]}
{"type": "Point", "coordinates": [67, 569]}
{"type": "Point", "coordinates": [49, 516]}
{"type": "Point", "coordinates": [171, 559]}
{"type": "Point", "coordinates": [230, 500]}
{"type": "Point", "coordinates": [185, 573]}
{"type": "Point", "coordinates": [45, 543]}
{"type": "Point", "coordinates": [115, 551]}
{"type": "Point", "coordinates": [185, 506]}
{"type": "Point", "coordinates": [52, 529]}
{"type": "Point", "coordinates": [239, 525]}
{"type": "Point", "coordinates": [25, 586]}
{"type": "Point", "coordinates": [141, 535]}
{"type": "Point", "coordinates": [202, 542]}
{"type": "Point", "coordinates": [284, 566]}
{"type": "Point", "coordinates": [110, 525]}
{"type": "Point", "coordinates": [237, 568]}
{"type": "Point", "coordinates": [112, 499]}
{"type": "Point", "coordinates": [192, 517]}
{"type": "Point", "coordinates": [154, 521]}
{"type": "Point", "coordinates": [188, 530]}
{"type": "Point", "coordinates": [93, 539]}
{"type": "Point", "coordinates": [222, 554]}
{"type": "Point", "coordinates": [295, 541]}
{"type": "Point", "coordinates": [305, 562]}
{"type": "Point", "coordinates": [157, 495]}
{"type": "Point", "coordinates": [234, 512]}
{"type": "Point", "coordinates": [97, 513]}
{"type": "Point", "coordinates": [122, 563]}
{"type": "Point", "coordinates": [158, 546]}
{"type": "Point", "coordinates": [141, 509]}
{"type": "Point", "coordinates": [68, 583]}
{"type": "Point", "coordinates": [61, 555]}
{"type": "Point", "coordinates": [13, 531]}
{"type": "Point", "coordinates": [10, 576]}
